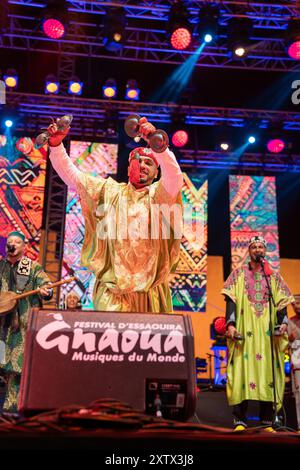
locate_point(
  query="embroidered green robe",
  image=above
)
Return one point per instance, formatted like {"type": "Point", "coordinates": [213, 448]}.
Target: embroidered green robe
{"type": "Point", "coordinates": [13, 326]}
{"type": "Point", "coordinates": [249, 369]}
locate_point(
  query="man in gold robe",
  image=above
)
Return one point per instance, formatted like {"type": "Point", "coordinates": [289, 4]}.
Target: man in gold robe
{"type": "Point", "coordinates": [132, 230]}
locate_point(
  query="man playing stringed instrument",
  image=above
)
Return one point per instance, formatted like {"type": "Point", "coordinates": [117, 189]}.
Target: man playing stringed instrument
{"type": "Point", "coordinates": [17, 274]}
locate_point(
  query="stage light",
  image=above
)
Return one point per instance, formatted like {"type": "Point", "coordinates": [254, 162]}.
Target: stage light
{"type": "Point", "coordinates": [55, 18]}
{"type": "Point", "coordinates": [222, 135]}
{"type": "Point", "coordinates": [224, 146]}
{"type": "Point", "coordinates": [251, 139]}
{"type": "Point", "coordinates": [293, 39]}
{"type": "Point", "coordinates": [275, 145]}
{"type": "Point", "coordinates": [132, 90]}
{"type": "Point", "coordinates": [109, 89]}
{"type": "Point", "coordinates": [114, 29]}
{"type": "Point", "coordinates": [8, 123]}
{"type": "Point", "coordinates": [52, 85]}
{"type": "Point", "coordinates": [208, 26]}
{"type": "Point", "coordinates": [110, 124]}
{"type": "Point", "coordinates": [208, 38]}
{"type": "Point", "coordinates": [239, 34]}
{"type": "Point", "coordinates": [179, 28]}
{"type": "Point", "coordinates": [180, 138]}
{"type": "Point", "coordinates": [276, 141]}
{"type": "Point", "coordinates": [75, 87]}
{"type": "Point", "coordinates": [239, 51]}
{"type": "Point", "coordinates": [11, 78]}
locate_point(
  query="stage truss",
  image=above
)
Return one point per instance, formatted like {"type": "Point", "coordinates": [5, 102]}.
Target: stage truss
{"type": "Point", "coordinates": [146, 39]}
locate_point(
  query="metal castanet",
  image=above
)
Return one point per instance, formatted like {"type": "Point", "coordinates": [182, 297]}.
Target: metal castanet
{"type": "Point", "coordinates": [158, 140]}
{"type": "Point", "coordinates": [8, 300]}
{"type": "Point", "coordinates": [62, 124]}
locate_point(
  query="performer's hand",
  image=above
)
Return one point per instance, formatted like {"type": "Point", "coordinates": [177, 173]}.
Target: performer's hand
{"type": "Point", "coordinates": [146, 128]}
{"type": "Point", "coordinates": [45, 291]}
{"type": "Point", "coordinates": [231, 331]}
{"type": "Point", "coordinates": [292, 336]}
{"type": "Point", "coordinates": [56, 136]}
{"type": "Point", "coordinates": [283, 328]}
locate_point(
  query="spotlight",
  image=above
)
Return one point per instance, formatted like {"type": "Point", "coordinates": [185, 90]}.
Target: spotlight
{"type": "Point", "coordinates": [239, 33]}
{"type": "Point", "coordinates": [132, 90]}
{"type": "Point", "coordinates": [275, 142]}
{"type": "Point", "coordinates": [52, 85]}
{"type": "Point", "coordinates": [11, 78]}
{"type": "Point", "coordinates": [180, 138]}
{"type": "Point", "coordinates": [293, 38]}
{"type": "Point", "coordinates": [224, 146]}
{"type": "Point", "coordinates": [55, 18]}
{"type": "Point", "coordinates": [75, 87]}
{"type": "Point", "coordinates": [114, 29]}
{"type": "Point", "coordinates": [275, 145]}
{"type": "Point", "coordinates": [251, 139]}
{"type": "Point", "coordinates": [208, 27]}
{"type": "Point", "coordinates": [239, 51]}
{"type": "Point", "coordinates": [8, 123]}
{"type": "Point", "coordinates": [222, 134]}
{"type": "Point", "coordinates": [208, 38]}
{"type": "Point", "coordinates": [111, 124]}
{"type": "Point", "coordinates": [9, 116]}
{"type": "Point", "coordinates": [110, 88]}
{"type": "Point", "coordinates": [179, 28]}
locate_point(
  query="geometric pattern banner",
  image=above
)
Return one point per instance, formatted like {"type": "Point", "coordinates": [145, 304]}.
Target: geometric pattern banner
{"type": "Point", "coordinates": [253, 210]}
{"type": "Point", "coordinates": [188, 284]}
{"type": "Point", "coordinates": [22, 185]}
{"type": "Point", "coordinates": [97, 160]}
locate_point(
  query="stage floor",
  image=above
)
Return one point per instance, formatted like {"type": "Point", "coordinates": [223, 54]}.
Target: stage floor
{"type": "Point", "coordinates": [209, 430]}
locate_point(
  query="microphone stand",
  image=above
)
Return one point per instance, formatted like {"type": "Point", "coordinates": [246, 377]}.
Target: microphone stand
{"type": "Point", "coordinates": [276, 421]}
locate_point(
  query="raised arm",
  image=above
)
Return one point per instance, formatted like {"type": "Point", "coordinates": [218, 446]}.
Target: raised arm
{"type": "Point", "coordinates": [64, 166]}
{"type": "Point", "coordinates": [171, 175]}
{"type": "Point", "coordinates": [59, 158]}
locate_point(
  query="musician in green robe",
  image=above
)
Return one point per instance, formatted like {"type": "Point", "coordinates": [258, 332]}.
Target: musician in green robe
{"type": "Point", "coordinates": [17, 274]}
{"type": "Point", "coordinates": [249, 369]}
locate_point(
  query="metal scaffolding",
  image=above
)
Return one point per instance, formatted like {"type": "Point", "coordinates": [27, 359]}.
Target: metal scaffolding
{"type": "Point", "coordinates": [36, 110]}
{"type": "Point", "coordinates": [146, 33]}
{"type": "Point", "coordinates": [89, 114]}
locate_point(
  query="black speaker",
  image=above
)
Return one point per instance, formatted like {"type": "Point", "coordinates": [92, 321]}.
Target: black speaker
{"type": "Point", "coordinates": [75, 357]}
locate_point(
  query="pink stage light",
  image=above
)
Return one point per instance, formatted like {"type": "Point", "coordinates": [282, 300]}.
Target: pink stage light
{"type": "Point", "coordinates": [275, 145]}
{"type": "Point", "coordinates": [181, 39]}
{"type": "Point", "coordinates": [180, 138]}
{"type": "Point", "coordinates": [53, 28]}
{"type": "Point", "coordinates": [294, 50]}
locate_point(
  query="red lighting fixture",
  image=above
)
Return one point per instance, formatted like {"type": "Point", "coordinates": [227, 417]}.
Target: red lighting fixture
{"type": "Point", "coordinates": [55, 19]}
{"type": "Point", "coordinates": [293, 38]}
{"type": "Point", "coordinates": [294, 50]}
{"type": "Point", "coordinates": [181, 39]}
{"type": "Point", "coordinates": [179, 28]}
{"type": "Point", "coordinates": [180, 138]}
{"type": "Point", "coordinates": [275, 145]}
{"type": "Point", "coordinates": [53, 28]}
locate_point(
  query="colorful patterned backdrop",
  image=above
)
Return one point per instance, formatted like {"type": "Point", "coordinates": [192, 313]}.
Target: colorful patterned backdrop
{"type": "Point", "coordinates": [253, 210]}
{"type": "Point", "coordinates": [22, 184]}
{"type": "Point", "coordinates": [96, 159]}
{"type": "Point", "coordinates": [188, 284]}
